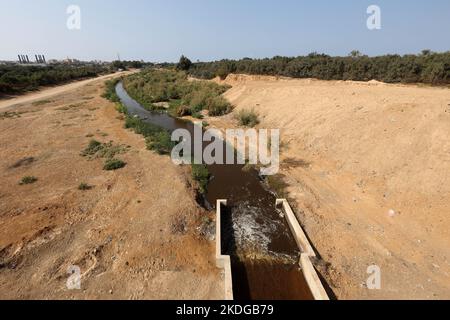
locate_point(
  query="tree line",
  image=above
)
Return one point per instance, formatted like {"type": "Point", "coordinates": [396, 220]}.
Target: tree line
{"type": "Point", "coordinates": [426, 67]}
{"type": "Point", "coordinates": [133, 64]}
{"type": "Point", "coordinates": [16, 79]}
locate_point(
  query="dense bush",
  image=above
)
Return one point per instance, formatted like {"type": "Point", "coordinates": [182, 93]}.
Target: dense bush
{"type": "Point", "coordinates": [84, 186]}
{"type": "Point", "coordinates": [248, 118]}
{"type": "Point", "coordinates": [113, 164]}
{"type": "Point", "coordinates": [17, 79]}
{"type": "Point", "coordinates": [427, 67]}
{"type": "Point", "coordinates": [28, 180]}
{"type": "Point", "coordinates": [185, 97]}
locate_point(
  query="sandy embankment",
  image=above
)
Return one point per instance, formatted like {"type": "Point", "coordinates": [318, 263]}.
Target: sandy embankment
{"type": "Point", "coordinates": [126, 234]}
{"type": "Point", "coordinates": [368, 168]}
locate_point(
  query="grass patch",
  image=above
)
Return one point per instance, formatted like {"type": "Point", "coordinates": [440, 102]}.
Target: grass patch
{"type": "Point", "coordinates": [197, 115]}
{"type": "Point", "coordinates": [110, 90]}
{"type": "Point", "coordinates": [201, 174]}
{"type": "Point", "coordinates": [248, 118]}
{"type": "Point", "coordinates": [93, 147]}
{"type": "Point", "coordinates": [84, 186]}
{"type": "Point", "coordinates": [114, 164]}
{"type": "Point", "coordinates": [23, 162]}
{"type": "Point", "coordinates": [277, 184]}
{"type": "Point", "coordinates": [28, 180]}
{"type": "Point", "coordinates": [121, 108]}
{"type": "Point", "coordinates": [160, 142]}
{"type": "Point", "coordinates": [9, 115]}
{"type": "Point", "coordinates": [96, 149]}
{"type": "Point", "coordinates": [69, 107]}
{"type": "Point", "coordinates": [42, 102]}
{"type": "Point", "coordinates": [157, 138]}
{"type": "Point", "coordinates": [179, 225]}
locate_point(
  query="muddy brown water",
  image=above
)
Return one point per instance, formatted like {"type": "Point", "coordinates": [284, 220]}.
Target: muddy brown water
{"type": "Point", "coordinates": [264, 253]}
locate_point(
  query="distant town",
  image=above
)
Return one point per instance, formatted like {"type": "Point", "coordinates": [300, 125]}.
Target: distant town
{"type": "Point", "coordinates": [40, 60]}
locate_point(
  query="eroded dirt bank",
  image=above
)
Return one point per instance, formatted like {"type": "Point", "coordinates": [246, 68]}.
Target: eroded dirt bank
{"type": "Point", "coordinates": [367, 167]}
{"type": "Point", "coordinates": [134, 234]}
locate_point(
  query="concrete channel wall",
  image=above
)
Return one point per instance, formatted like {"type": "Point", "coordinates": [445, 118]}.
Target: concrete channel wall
{"type": "Point", "coordinates": [223, 261]}
{"type": "Point", "coordinates": [307, 252]}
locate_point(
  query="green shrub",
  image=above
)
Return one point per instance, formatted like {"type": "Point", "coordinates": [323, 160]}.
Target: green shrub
{"type": "Point", "coordinates": [219, 106]}
{"type": "Point", "coordinates": [9, 115]}
{"type": "Point", "coordinates": [157, 139]}
{"type": "Point", "coordinates": [113, 164]}
{"type": "Point", "coordinates": [121, 108]}
{"type": "Point", "coordinates": [93, 147]}
{"type": "Point", "coordinates": [28, 180]}
{"type": "Point", "coordinates": [84, 186]}
{"type": "Point", "coordinates": [160, 142]}
{"type": "Point", "coordinates": [110, 90]}
{"type": "Point", "coordinates": [41, 102]}
{"type": "Point", "coordinates": [201, 174]}
{"type": "Point", "coordinates": [248, 118]}
{"type": "Point", "coordinates": [183, 111]}
{"type": "Point", "coordinates": [97, 149]}
{"type": "Point", "coordinates": [197, 115]}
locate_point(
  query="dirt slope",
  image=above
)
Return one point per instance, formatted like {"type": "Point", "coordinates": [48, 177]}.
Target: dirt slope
{"type": "Point", "coordinates": [126, 234]}
{"type": "Point", "coordinates": [367, 166]}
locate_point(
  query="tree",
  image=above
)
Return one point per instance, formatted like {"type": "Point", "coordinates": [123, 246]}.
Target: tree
{"type": "Point", "coordinates": [355, 54]}
{"type": "Point", "coordinates": [184, 63]}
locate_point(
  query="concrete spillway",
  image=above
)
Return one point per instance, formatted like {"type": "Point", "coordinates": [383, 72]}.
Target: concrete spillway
{"type": "Point", "coordinates": [262, 279]}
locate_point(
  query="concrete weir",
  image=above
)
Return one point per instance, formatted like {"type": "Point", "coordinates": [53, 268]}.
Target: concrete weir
{"type": "Point", "coordinates": [307, 252]}
{"type": "Point", "coordinates": [223, 261]}
{"type": "Point", "coordinates": [311, 279]}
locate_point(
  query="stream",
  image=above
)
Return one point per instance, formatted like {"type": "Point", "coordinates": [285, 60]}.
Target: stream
{"type": "Point", "coordinates": [263, 251]}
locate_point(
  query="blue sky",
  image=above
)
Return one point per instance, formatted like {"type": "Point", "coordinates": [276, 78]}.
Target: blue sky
{"type": "Point", "coordinates": [157, 30]}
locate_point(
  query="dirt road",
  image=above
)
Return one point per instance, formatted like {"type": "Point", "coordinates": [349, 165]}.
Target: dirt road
{"type": "Point", "coordinates": [132, 234]}
{"type": "Point", "coordinates": [367, 166]}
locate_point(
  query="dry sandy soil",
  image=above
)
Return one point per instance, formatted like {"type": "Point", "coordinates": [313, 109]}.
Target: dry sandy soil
{"type": "Point", "coordinates": [367, 167]}
{"type": "Point", "coordinates": [134, 235]}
